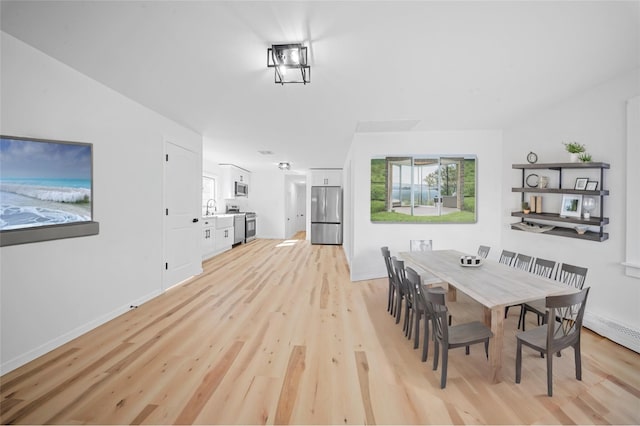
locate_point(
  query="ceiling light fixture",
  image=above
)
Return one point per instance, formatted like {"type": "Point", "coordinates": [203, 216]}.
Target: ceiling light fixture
{"type": "Point", "coordinates": [285, 57]}
{"type": "Point", "coordinates": [284, 165]}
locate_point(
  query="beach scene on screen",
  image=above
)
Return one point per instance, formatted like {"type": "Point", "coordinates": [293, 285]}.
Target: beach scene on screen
{"type": "Point", "coordinates": [44, 183]}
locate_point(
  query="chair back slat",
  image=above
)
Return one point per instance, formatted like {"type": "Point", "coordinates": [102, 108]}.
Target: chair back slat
{"type": "Point", "coordinates": [522, 261]}
{"type": "Point", "coordinates": [413, 282]}
{"type": "Point", "coordinates": [387, 261]}
{"type": "Point", "coordinates": [506, 257]}
{"type": "Point", "coordinates": [420, 245]}
{"type": "Point", "coordinates": [399, 275]}
{"type": "Point", "coordinates": [565, 318]}
{"type": "Point", "coordinates": [543, 267]}
{"type": "Point", "coordinates": [574, 276]}
{"type": "Point", "coordinates": [483, 251]}
{"type": "Point", "coordinates": [438, 311]}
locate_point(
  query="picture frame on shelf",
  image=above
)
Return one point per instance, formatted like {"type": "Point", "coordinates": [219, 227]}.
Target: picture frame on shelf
{"type": "Point", "coordinates": [581, 184]}
{"type": "Point", "coordinates": [571, 205]}
{"type": "Point", "coordinates": [592, 185]}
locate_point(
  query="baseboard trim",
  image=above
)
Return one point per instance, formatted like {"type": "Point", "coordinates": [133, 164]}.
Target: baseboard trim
{"type": "Point", "coordinates": [612, 330]}
{"type": "Point", "coordinates": [52, 344]}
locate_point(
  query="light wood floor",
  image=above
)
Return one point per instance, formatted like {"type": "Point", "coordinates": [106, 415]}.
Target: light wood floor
{"type": "Point", "coordinates": [274, 332]}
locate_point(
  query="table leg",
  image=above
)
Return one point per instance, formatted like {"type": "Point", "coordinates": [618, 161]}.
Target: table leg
{"type": "Point", "coordinates": [494, 318]}
{"type": "Point", "coordinates": [452, 294]}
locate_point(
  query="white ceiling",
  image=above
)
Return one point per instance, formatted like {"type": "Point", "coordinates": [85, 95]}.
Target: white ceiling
{"type": "Point", "coordinates": [376, 66]}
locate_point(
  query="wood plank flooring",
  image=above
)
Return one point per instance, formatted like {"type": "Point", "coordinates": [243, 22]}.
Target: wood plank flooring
{"type": "Point", "coordinates": [274, 332]}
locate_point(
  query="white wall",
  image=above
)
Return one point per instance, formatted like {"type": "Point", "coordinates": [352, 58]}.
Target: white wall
{"type": "Point", "coordinates": [365, 238]}
{"type": "Point", "coordinates": [54, 291]}
{"type": "Point", "coordinates": [267, 198]}
{"type": "Point", "coordinates": [596, 118]}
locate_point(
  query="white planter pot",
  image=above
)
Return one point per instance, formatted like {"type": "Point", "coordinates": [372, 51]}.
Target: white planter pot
{"type": "Point", "coordinates": [574, 157]}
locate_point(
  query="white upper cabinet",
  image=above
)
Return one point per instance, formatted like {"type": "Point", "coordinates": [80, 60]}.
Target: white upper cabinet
{"type": "Point", "coordinates": [326, 177]}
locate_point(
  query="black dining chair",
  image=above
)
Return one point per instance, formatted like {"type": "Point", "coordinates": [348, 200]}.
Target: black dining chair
{"type": "Point", "coordinates": [386, 254]}
{"type": "Point", "coordinates": [399, 275]}
{"type": "Point", "coordinates": [421, 310]}
{"type": "Point", "coordinates": [570, 275]}
{"type": "Point", "coordinates": [523, 262]}
{"type": "Point", "coordinates": [506, 257]}
{"type": "Point", "coordinates": [543, 268]}
{"type": "Point", "coordinates": [483, 251]}
{"type": "Point", "coordinates": [562, 330]}
{"type": "Point", "coordinates": [417, 306]}
{"type": "Point", "coordinates": [450, 337]}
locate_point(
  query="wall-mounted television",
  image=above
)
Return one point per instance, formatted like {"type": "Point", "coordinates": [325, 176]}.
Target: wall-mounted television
{"type": "Point", "coordinates": [46, 190]}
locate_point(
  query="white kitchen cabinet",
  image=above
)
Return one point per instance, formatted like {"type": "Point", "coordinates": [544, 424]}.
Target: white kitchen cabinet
{"type": "Point", "coordinates": [232, 174]}
{"type": "Point", "coordinates": [223, 232]}
{"type": "Point", "coordinates": [326, 177]}
{"type": "Point", "coordinates": [208, 238]}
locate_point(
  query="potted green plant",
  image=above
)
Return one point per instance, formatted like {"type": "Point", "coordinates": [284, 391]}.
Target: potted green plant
{"type": "Point", "coordinates": [574, 149]}
{"type": "Point", "coordinates": [585, 157]}
{"type": "Point", "coordinates": [525, 208]}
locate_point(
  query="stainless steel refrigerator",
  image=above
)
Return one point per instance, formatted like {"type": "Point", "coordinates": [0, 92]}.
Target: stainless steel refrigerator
{"type": "Point", "coordinates": [326, 215]}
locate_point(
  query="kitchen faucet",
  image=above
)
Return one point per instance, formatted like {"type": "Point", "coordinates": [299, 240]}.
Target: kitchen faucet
{"type": "Point", "coordinates": [214, 206]}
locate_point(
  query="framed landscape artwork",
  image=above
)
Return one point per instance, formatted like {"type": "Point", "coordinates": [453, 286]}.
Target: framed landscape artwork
{"type": "Point", "coordinates": [424, 189]}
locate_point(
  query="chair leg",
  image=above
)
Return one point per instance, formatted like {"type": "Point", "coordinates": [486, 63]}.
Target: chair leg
{"type": "Point", "coordinates": [466, 350]}
{"type": "Point", "coordinates": [445, 361]}
{"type": "Point", "coordinates": [518, 361]}
{"type": "Point", "coordinates": [506, 311]}
{"type": "Point", "coordinates": [436, 353]}
{"type": "Point", "coordinates": [486, 348]}
{"type": "Point", "coordinates": [416, 341]}
{"type": "Point", "coordinates": [407, 312]}
{"type": "Point", "coordinates": [521, 320]}
{"type": "Point", "coordinates": [389, 297]}
{"type": "Point", "coordinates": [576, 350]}
{"type": "Point", "coordinates": [425, 345]}
{"type": "Point", "coordinates": [550, 374]}
{"type": "Point", "coordinates": [393, 302]}
{"type": "Point", "coordinates": [398, 308]}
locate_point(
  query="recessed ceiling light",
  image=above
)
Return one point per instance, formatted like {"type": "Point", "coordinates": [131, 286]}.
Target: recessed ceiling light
{"type": "Point", "coordinates": [266, 152]}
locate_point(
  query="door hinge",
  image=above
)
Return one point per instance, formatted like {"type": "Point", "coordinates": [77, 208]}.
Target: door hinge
{"type": "Point", "coordinates": [166, 266]}
{"type": "Point", "coordinates": [166, 158]}
{"type": "Point", "coordinates": [166, 212]}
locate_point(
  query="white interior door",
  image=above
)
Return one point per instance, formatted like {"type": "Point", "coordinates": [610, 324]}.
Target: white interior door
{"type": "Point", "coordinates": [301, 206]}
{"type": "Point", "coordinates": [182, 227]}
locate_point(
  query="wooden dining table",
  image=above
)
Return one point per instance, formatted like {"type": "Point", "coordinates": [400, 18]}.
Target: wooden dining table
{"type": "Point", "coordinates": [492, 284]}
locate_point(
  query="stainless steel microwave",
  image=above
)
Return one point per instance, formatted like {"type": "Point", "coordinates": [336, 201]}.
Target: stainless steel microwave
{"type": "Point", "coordinates": [242, 189]}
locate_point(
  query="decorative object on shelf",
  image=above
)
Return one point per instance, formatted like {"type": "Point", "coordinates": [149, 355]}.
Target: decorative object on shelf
{"type": "Point", "coordinates": [585, 157]}
{"type": "Point", "coordinates": [592, 185]}
{"type": "Point", "coordinates": [571, 205]}
{"type": "Point", "coordinates": [532, 203]}
{"type": "Point", "coordinates": [588, 204]}
{"type": "Point", "coordinates": [289, 62]}
{"type": "Point", "coordinates": [525, 208]}
{"type": "Point", "coordinates": [532, 180]}
{"type": "Point", "coordinates": [539, 204]}
{"type": "Point", "coordinates": [532, 157]}
{"type": "Point", "coordinates": [544, 181]}
{"type": "Point", "coordinates": [581, 184]}
{"type": "Point", "coordinates": [574, 149]}
{"type": "Point", "coordinates": [581, 229]}
{"type": "Point", "coordinates": [532, 227]}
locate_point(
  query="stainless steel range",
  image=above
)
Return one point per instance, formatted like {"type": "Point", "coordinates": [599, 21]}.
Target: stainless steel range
{"type": "Point", "coordinates": [250, 226]}
{"type": "Point", "coordinates": [244, 225]}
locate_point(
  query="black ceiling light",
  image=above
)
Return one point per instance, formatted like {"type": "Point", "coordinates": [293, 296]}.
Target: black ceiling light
{"type": "Point", "coordinates": [290, 63]}
{"type": "Point", "coordinates": [284, 165]}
